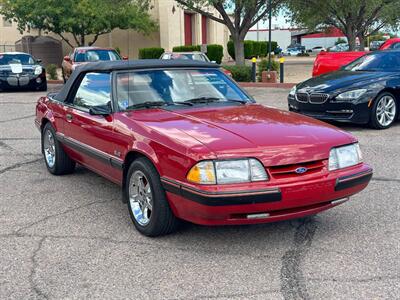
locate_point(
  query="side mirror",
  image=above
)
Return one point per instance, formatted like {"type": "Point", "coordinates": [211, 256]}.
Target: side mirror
{"type": "Point", "coordinates": [100, 110]}
{"type": "Point", "coordinates": [38, 60]}
{"type": "Point", "coordinates": [67, 58]}
{"type": "Point", "coordinates": [125, 58]}
{"type": "Point", "coordinates": [213, 61]}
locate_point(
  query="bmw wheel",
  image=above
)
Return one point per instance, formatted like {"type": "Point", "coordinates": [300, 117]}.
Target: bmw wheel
{"type": "Point", "coordinates": [147, 202]}
{"type": "Point", "coordinates": [384, 111]}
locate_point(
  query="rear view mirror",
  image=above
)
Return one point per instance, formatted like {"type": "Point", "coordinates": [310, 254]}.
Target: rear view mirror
{"type": "Point", "coordinates": [100, 110]}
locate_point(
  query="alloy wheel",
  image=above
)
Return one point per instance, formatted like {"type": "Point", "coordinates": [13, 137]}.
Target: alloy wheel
{"type": "Point", "coordinates": [49, 148]}
{"type": "Point", "coordinates": [386, 111]}
{"type": "Point", "coordinates": [140, 198]}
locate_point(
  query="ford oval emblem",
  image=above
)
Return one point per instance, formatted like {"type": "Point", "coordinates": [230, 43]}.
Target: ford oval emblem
{"type": "Point", "coordinates": [301, 170]}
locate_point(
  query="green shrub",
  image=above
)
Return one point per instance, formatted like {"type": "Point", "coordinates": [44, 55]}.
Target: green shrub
{"type": "Point", "coordinates": [248, 49]}
{"type": "Point", "coordinates": [240, 73]}
{"type": "Point", "coordinates": [215, 53]}
{"type": "Point", "coordinates": [150, 53]}
{"type": "Point", "coordinates": [253, 48]}
{"type": "Point", "coordinates": [52, 71]}
{"type": "Point", "coordinates": [257, 48]}
{"type": "Point", "coordinates": [262, 65]}
{"type": "Point", "coordinates": [190, 48]}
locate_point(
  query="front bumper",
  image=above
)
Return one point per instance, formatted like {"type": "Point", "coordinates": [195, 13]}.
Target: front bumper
{"type": "Point", "coordinates": [265, 204]}
{"type": "Point", "coordinates": [340, 111]}
{"type": "Point", "coordinates": [29, 82]}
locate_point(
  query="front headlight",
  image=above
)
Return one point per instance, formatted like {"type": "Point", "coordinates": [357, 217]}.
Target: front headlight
{"type": "Point", "coordinates": [346, 156]}
{"type": "Point", "coordinates": [38, 70]}
{"type": "Point", "coordinates": [227, 171]}
{"type": "Point", "coordinates": [351, 95]}
{"type": "Point", "coordinates": [293, 91]}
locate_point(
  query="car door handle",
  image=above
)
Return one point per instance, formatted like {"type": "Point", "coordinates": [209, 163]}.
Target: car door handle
{"type": "Point", "coordinates": [69, 117]}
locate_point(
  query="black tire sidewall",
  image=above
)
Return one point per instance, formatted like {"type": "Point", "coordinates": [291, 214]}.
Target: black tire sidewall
{"type": "Point", "coordinates": [374, 121]}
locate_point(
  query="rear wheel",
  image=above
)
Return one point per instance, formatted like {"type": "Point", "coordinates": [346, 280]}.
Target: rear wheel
{"type": "Point", "coordinates": [384, 111]}
{"type": "Point", "coordinates": [147, 202]}
{"type": "Point", "coordinates": [57, 161]}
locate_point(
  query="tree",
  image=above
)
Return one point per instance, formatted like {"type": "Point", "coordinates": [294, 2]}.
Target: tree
{"type": "Point", "coordinates": [238, 15]}
{"type": "Point", "coordinates": [80, 18]}
{"type": "Point", "coordinates": [356, 18]}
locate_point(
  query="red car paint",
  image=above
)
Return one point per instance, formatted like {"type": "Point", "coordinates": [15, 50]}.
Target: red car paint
{"type": "Point", "coordinates": [326, 62]}
{"type": "Point", "coordinates": [174, 141]}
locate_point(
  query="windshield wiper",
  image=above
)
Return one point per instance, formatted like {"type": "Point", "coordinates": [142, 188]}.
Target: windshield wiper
{"type": "Point", "coordinates": [202, 100]}
{"type": "Point", "coordinates": [236, 100]}
{"type": "Point", "coordinates": [147, 104]}
{"type": "Point", "coordinates": [181, 103]}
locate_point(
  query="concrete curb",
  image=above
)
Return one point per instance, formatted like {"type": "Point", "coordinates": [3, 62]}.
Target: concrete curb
{"type": "Point", "coordinates": [267, 85]}
{"type": "Point", "coordinates": [50, 81]}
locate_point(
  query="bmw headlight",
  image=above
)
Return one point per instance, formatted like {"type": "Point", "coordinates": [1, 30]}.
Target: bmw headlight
{"type": "Point", "coordinates": [38, 70]}
{"type": "Point", "coordinates": [227, 171]}
{"type": "Point", "coordinates": [293, 91]}
{"type": "Point", "coordinates": [345, 156]}
{"type": "Point", "coordinates": [351, 95]}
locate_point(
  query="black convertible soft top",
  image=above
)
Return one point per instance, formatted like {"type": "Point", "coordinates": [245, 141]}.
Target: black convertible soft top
{"type": "Point", "coordinates": [120, 65]}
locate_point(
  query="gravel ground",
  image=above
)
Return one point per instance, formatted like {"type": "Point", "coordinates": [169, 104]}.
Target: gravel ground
{"type": "Point", "coordinates": [71, 236]}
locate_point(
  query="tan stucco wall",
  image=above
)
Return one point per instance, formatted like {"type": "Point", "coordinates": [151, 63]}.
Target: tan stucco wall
{"type": "Point", "coordinates": [170, 18]}
{"type": "Point", "coordinates": [9, 35]}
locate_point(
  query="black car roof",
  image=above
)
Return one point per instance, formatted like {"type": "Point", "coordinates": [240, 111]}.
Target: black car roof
{"type": "Point", "coordinates": [122, 65]}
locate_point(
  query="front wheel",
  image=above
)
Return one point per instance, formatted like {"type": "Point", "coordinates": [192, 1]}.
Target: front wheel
{"type": "Point", "coordinates": [57, 161]}
{"type": "Point", "coordinates": [147, 202]}
{"type": "Point", "coordinates": [384, 111]}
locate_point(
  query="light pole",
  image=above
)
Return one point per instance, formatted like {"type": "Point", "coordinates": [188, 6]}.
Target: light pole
{"type": "Point", "coordinates": [269, 3]}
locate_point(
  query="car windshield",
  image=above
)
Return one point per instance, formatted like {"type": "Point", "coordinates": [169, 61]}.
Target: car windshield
{"type": "Point", "coordinates": [23, 59]}
{"type": "Point", "coordinates": [175, 87]}
{"type": "Point", "coordinates": [190, 56]}
{"type": "Point", "coordinates": [380, 61]}
{"type": "Point", "coordinates": [96, 55]}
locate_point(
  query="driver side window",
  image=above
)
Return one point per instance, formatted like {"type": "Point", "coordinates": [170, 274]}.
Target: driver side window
{"type": "Point", "coordinates": [94, 90]}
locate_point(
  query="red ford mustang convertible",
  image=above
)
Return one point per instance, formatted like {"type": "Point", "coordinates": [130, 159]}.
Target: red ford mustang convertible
{"type": "Point", "coordinates": [185, 142]}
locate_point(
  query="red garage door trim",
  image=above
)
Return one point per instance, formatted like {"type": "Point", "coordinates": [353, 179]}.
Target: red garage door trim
{"type": "Point", "coordinates": [204, 29]}
{"type": "Point", "coordinates": [188, 29]}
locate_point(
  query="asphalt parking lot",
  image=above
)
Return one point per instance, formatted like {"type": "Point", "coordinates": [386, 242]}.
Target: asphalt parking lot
{"type": "Point", "coordinates": [71, 236]}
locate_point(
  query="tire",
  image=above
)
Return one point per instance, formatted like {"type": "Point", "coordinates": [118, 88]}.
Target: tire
{"type": "Point", "coordinates": [379, 121]}
{"type": "Point", "coordinates": [61, 164]}
{"type": "Point", "coordinates": [43, 87]}
{"type": "Point", "coordinates": [159, 220]}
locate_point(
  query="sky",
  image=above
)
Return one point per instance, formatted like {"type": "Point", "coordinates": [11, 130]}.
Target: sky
{"type": "Point", "coordinates": [279, 20]}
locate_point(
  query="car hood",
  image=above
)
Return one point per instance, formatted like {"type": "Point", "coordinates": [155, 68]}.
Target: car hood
{"type": "Point", "coordinates": [16, 68]}
{"type": "Point", "coordinates": [342, 79]}
{"type": "Point", "coordinates": [274, 136]}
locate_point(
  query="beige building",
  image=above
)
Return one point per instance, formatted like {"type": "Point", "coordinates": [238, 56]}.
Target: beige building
{"type": "Point", "coordinates": [176, 27]}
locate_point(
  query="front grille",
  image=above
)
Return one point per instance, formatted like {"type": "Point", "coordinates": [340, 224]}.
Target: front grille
{"type": "Point", "coordinates": [313, 98]}
{"type": "Point", "coordinates": [289, 171]}
{"type": "Point", "coordinates": [302, 97]}
{"type": "Point", "coordinates": [318, 98]}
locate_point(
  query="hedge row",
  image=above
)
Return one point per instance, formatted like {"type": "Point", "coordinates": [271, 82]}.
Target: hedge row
{"type": "Point", "coordinates": [214, 52]}
{"type": "Point", "coordinates": [253, 48]}
{"type": "Point", "coordinates": [190, 48]}
{"type": "Point", "coordinates": [151, 53]}
{"type": "Point", "coordinates": [239, 73]}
